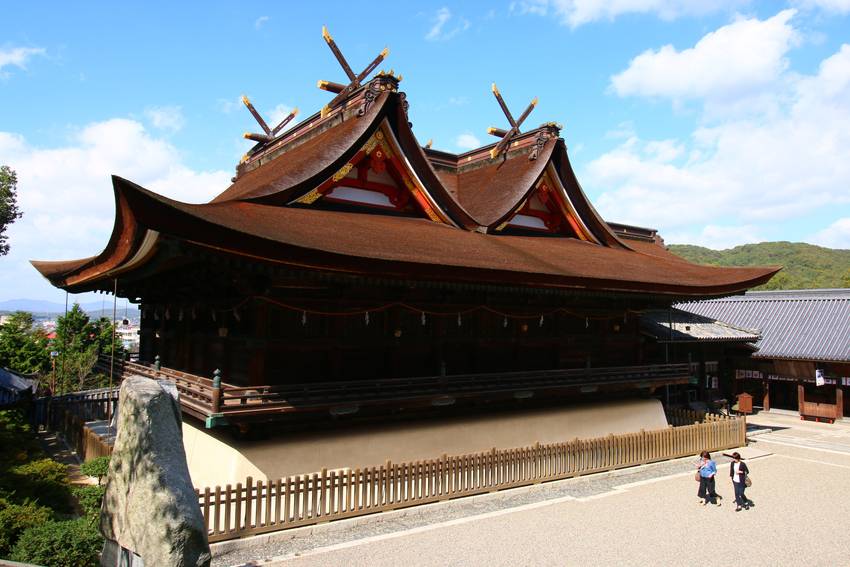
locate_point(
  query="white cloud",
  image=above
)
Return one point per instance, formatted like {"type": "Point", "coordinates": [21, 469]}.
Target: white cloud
{"type": "Point", "coordinates": [575, 13]}
{"type": "Point", "coordinates": [467, 141]}
{"type": "Point", "coordinates": [717, 237]}
{"type": "Point", "coordinates": [441, 30]}
{"type": "Point", "coordinates": [66, 195]}
{"type": "Point", "coordinates": [733, 60]}
{"type": "Point", "coordinates": [272, 116]}
{"type": "Point", "coordinates": [261, 21]}
{"type": "Point", "coordinates": [663, 151]}
{"type": "Point", "coordinates": [830, 6]}
{"type": "Point", "coordinates": [168, 118]}
{"type": "Point", "coordinates": [760, 172]}
{"type": "Point", "coordinates": [18, 56]}
{"type": "Point", "coordinates": [836, 235]}
{"type": "Point", "coordinates": [229, 105]}
{"type": "Point", "coordinates": [278, 113]}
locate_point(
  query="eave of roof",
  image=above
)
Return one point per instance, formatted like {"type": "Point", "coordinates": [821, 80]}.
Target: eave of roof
{"type": "Point", "coordinates": [409, 247]}
{"type": "Point", "coordinates": [675, 325]}
{"type": "Point", "coordinates": [796, 325]}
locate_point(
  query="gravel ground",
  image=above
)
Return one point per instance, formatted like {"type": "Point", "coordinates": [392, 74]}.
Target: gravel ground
{"type": "Point", "coordinates": [642, 516]}
{"type": "Point", "coordinates": [799, 496]}
{"type": "Point", "coordinates": [578, 488]}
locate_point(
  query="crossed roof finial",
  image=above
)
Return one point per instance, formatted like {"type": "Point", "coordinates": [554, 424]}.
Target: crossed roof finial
{"type": "Point", "coordinates": [507, 135]}
{"type": "Point", "coordinates": [341, 90]}
{"type": "Point", "coordinates": [270, 133]}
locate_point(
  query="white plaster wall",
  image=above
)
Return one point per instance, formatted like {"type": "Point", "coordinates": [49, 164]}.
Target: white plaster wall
{"type": "Point", "coordinates": [213, 462]}
{"type": "Point", "coordinates": [226, 460]}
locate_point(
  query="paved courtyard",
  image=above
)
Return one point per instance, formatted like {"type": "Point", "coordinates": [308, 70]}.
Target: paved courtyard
{"type": "Point", "coordinates": [648, 516]}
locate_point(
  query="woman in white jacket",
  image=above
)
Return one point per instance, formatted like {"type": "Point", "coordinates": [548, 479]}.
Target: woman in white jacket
{"type": "Point", "coordinates": [738, 470]}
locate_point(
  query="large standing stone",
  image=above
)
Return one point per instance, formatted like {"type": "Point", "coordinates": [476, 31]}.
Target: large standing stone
{"type": "Point", "coordinates": [150, 505]}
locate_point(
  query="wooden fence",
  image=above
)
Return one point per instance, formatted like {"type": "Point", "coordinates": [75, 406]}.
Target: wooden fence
{"type": "Point", "coordinates": [258, 507]}
{"type": "Point", "coordinates": [88, 405]}
{"type": "Point", "coordinates": [86, 442]}
{"type": "Point", "coordinates": [67, 415]}
{"type": "Point", "coordinates": [678, 417]}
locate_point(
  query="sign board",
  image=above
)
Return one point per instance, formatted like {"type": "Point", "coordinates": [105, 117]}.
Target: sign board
{"type": "Point", "coordinates": [54, 353]}
{"type": "Point", "coordinates": [819, 377]}
{"type": "Point", "coordinates": [748, 374]}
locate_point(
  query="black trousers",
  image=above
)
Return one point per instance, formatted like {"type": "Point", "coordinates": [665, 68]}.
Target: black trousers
{"type": "Point", "coordinates": [706, 489]}
{"type": "Point", "coordinates": [740, 499]}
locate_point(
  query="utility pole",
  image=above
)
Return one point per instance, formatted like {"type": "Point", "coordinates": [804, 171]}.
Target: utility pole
{"type": "Point", "coordinates": [112, 357]}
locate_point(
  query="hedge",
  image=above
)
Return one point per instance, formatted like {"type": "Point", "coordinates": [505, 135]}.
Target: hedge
{"type": "Point", "coordinates": [17, 518]}
{"type": "Point", "coordinates": [73, 543]}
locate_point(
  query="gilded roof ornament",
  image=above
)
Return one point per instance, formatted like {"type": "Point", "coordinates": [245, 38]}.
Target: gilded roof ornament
{"type": "Point", "coordinates": [355, 81]}
{"type": "Point", "coordinates": [507, 135]}
{"type": "Point", "coordinates": [269, 133]}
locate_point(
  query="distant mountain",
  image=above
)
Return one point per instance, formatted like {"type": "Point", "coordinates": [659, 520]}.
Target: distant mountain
{"type": "Point", "coordinates": [40, 306]}
{"type": "Point", "coordinates": [805, 266]}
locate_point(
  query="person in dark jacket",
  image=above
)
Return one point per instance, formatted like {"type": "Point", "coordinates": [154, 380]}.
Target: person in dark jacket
{"type": "Point", "coordinates": [738, 470]}
{"type": "Point", "coordinates": [706, 469]}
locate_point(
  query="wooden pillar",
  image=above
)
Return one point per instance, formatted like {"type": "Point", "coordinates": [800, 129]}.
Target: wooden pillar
{"type": "Point", "coordinates": [801, 397]}
{"type": "Point", "coordinates": [259, 313]}
{"type": "Point", "coordinates": [766, 401]}
{"type": "Point", "coordinates": [839, 401]}
{"type": "Point", "coordinates": [187, 337]}
{"type": "Point", "coordinates": [146, 335]}
{"type": "Point", "coordinates": [162, 342]}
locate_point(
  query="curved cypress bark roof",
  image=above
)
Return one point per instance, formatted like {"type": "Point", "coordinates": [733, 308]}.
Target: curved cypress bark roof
{"type": "Point", "coordinates": [266, 214]}
{"type": "Point", "coordinates": [492, 191]}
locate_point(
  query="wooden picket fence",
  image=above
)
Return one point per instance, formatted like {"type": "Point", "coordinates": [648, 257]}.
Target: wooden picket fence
{"type": "Point", "coordinates": [678, 416]}
{"type": "Point", "coordinates": [258, 507]}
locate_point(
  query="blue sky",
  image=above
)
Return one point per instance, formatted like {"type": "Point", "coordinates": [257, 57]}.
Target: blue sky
{"type": "Point", "coordinates": [718, 123]}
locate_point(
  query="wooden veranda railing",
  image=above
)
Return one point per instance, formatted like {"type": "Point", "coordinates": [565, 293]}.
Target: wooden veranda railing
{"type": "Point", "coordinates": [264, 506]}
{"type": "Point", "coordinates": [219, 402]}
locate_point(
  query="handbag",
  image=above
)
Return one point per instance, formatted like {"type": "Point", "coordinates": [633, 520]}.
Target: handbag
{"type": "Point", "coordinates": [747, 482]}
{"type": "Point", "coordinates": [696, 476]}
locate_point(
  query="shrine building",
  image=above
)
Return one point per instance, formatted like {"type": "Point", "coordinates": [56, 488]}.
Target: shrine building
{"type": "Point", "coordinates": [350, 270]}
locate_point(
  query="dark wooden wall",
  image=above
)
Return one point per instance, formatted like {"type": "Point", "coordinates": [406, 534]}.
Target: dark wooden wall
{"type": "Point", "coordinates": [263, 343]}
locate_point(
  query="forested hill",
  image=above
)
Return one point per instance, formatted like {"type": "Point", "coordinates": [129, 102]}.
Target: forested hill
{"type": "Point", "coordinates": [804, 265]}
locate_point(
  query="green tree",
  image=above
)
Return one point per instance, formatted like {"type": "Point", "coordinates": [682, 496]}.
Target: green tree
{"type": "Point", "coordinates": [77, 332]}
{"type": "Point", "coordinates": [805, 266]}
{"type": "Point", "coordinates": [23, 347]}
{"type": "Point", "coordinates": [80, 341]}
{"type": "Point", "coordinates": [9, 211]}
